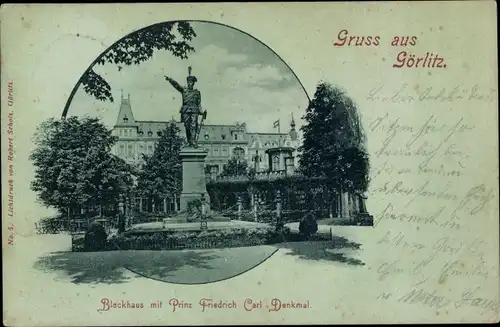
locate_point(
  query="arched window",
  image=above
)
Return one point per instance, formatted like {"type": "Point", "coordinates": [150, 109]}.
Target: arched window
{"type": "Point", "coordinates": [150, 133]}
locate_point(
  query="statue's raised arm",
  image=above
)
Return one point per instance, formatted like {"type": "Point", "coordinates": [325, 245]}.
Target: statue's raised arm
{"type": "Point", "coordinates": [176, 85]}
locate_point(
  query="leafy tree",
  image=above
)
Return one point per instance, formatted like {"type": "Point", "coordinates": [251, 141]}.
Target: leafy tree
{"type": "Point", "coordinates": [161, 174]}
{"type": "Point", "coordinates": [235, 167]}
{"type": "Point", "coordinates": [135, 49]}
{"type": "Point", "coordinates": [74, 166]}
{"type": "Point", "coordinates": [112, 177]}
{"type": "Point", "coordinates": [333, 145]}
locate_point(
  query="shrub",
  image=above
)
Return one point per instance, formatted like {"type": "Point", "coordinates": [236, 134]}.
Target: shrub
{"type": "Point", "coordinates": [308, 225]}
{"type": "Point", "coordinates": [95, 238]}
{"type": "Point", "coordinates": [77, 243]}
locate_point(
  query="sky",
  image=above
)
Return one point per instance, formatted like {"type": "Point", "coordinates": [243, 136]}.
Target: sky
{"type": "Point", "coordinates": [240, 80]}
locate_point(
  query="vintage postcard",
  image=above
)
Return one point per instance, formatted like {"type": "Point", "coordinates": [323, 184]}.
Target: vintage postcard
{"type": "Point", "coordinates": [249, 163]}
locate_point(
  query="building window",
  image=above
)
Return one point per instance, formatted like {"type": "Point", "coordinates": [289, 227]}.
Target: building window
{"type": "Point", "coordinates": [224, 152]}
{"type": "Point", "coordinates": [276, 162]}
{"type": "Point", "coordinates": [122, 149]}
{"type": "Point", "coordinates": [150, 133]}
{"type": "Point", "coordinates": [223, 136]}
{"type": "Point", "coordinates": [235, 137]}
{"type": "Point", "coordinates": [126, 132]}
{"type": "Point", "coordinates": [159, 133]}
{"type": "Point", "coordinates": [121, 132]}
{"type": "Point", "coordinates": [141, 148]}
{"type": "Point", "coordinates": [141, 133]}
{"type": "Point", "coordinates": [239, 153]}
{"type": "Point", "coordinates": [216, 152]}
{"type": "Point", "coordinates": [206, 137]}
{"type": "Point", "coordinates": [125, 119]}
{"type": "Point", "coordinates": [150, 149]}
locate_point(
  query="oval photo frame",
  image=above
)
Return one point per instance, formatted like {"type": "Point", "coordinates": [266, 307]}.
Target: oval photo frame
{"type": "Point", "coordinates": [199, 263]}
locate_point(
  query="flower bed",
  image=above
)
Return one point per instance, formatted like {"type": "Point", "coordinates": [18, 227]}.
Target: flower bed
{"type": "Point", "coordinates": [168, 240]}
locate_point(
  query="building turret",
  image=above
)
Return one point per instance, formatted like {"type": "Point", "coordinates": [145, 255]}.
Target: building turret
{"type": "Point", "coordinates": [125, 115]}
{"type": "Point", "coordinates": [293, 132]}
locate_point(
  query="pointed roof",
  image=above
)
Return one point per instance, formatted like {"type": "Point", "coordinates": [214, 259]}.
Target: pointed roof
{"type": "Point", "coordinates": [293, 133]}
{"type": "Point", "coordinates": [125, 115]}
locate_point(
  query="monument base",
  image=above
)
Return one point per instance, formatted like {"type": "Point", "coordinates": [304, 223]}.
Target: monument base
{"type": "Point", "coordinates": [193, 177]}
{"type": "Point", "coordinates": [188, 197]}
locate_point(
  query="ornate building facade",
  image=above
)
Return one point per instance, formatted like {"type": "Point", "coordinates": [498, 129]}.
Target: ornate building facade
{"type": "Point", "coordinates": [222, 142]}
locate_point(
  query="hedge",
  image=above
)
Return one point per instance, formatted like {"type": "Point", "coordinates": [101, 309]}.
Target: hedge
{"type": "Point", "coordinates": [227, 238]}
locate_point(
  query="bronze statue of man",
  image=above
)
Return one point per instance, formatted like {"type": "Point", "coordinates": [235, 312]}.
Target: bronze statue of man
{"type": "Point", "coordinates": [191, 107]}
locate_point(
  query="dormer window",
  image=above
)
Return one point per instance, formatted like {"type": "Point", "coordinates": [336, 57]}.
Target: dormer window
{"type": "Point", "coordinates": [141, 133]}
{"type": "Point", "coordinates": [150, 133]}
{"type": "Point", "coordinates": [159, 133]}
{"type": "Point", "coordinates": [235, 136]}
{"type": "Point", "coordinates": [206, 136]}
{"type": "Point", "coordinates": [223, 136]}
{"type": "Point", "coordinates": [125, 119]}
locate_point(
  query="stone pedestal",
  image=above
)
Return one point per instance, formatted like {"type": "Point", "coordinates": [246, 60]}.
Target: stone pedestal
{"type": "Point", "coordinates": [193, 176]}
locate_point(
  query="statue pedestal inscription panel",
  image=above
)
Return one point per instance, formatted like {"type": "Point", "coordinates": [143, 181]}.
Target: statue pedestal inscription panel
{"type": "Point", "coordinates": [193, 176]}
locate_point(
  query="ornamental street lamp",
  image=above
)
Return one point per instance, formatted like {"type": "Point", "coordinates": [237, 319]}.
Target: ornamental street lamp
{"type": "Point", "coordinates": [279, 220]}
{"type": "Point", "coordinates": [240, 207]}
{"type": "Point", "coordinates": [203, 222]}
